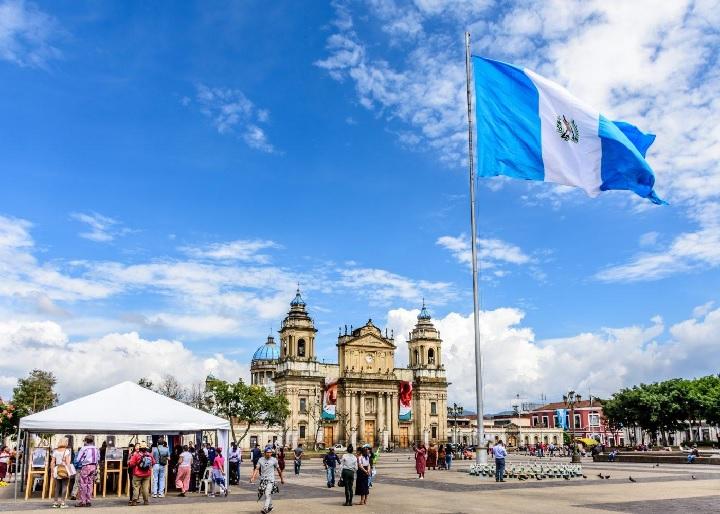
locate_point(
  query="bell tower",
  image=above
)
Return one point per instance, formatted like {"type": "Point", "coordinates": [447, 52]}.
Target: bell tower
{"type": "Point", "coordinates": [424, 343]}
{"type": "Point", "coordinates": [297, 334]}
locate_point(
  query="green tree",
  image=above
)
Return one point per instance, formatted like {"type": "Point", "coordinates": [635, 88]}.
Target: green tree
{"type": "Point", "coordinates": [36, 392]}
{"type": "Point", "coordinates": [248, 404]}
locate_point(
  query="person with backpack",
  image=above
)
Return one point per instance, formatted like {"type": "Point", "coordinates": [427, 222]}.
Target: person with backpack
{"type": "Point", "coordinates": [160, 454]}
{"type": "Point", "coordinates": [142, 462]}
{"type": "Point", "coordinates": [86, 464]}
{"type": "Point", "coordinates": [62, 470]}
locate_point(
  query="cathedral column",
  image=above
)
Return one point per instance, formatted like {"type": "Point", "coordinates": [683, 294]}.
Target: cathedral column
{"type": "Point", "coordinates": [395, 420]}
{"type": "Point", "coordinates": [380, 417]}
{"type": "Point", "coordinates": [388, 410]}
{"type": "Point", "coordinates": [361, 425]}
{"type": "Point", "coordinates": [351, 400]}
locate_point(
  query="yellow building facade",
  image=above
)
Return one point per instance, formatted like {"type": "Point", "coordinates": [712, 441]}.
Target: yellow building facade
{"type": "Point", "coordinates": [367, 398]}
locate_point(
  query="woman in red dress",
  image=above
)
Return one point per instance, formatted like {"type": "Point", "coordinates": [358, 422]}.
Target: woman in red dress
{"type": "Point", "coordinates": [420, 460]}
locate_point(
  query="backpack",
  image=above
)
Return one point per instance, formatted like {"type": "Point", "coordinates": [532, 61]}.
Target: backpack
{"type": "Point", "coordinates": [163, 456]}
{"type": "Point", "coordinates": [145, 462]}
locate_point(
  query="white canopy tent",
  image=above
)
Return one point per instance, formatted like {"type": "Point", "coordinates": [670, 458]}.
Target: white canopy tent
{"type": "Point", "coordinates": [127, 408]}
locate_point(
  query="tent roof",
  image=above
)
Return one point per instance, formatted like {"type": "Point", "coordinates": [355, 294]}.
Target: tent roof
{"type": "Point", "coordinates": [125, 408]}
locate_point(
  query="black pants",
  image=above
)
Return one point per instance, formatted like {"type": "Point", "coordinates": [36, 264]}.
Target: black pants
{"type": "Point", "coordinates": [59, 483]}
{"type": "Point", "coordinates": [348, 476]}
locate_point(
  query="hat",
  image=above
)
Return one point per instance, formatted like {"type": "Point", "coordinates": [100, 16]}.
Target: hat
{"type": "Point", "coordinates": [268, 448]}
{"type": "Point", "coordinates": [143, 445]}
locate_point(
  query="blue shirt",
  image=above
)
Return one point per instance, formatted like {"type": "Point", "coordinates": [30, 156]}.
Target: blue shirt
{"type": "Point", "coordinates": [499, 451]}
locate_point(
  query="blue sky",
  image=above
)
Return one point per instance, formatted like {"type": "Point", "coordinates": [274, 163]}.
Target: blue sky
{"type": "Point", "coordinates": [169, 172]}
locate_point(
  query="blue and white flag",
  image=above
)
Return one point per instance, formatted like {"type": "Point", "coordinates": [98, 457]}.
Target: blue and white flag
{"type": "Point", "coordinates": [561, 418]}
{"type": "Point", "coordinates": [531, 128]}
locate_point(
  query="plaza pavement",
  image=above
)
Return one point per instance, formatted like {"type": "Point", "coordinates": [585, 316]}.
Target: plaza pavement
{"type": "Point", "coordinates": [667, 489]}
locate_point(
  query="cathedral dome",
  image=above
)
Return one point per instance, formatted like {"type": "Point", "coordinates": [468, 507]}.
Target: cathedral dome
{"type": "Point", "coordinates": [424, 314]}
{"type": "Point", "coordinates": [267, 352]}
{"type": "Point", "coordinates": [297, 301]}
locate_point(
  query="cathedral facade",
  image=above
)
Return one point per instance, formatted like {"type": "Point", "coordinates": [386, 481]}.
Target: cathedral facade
{"type": "Point", "coordinates": [364, 398]}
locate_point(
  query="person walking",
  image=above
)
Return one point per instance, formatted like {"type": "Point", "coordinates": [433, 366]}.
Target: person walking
{"type": "Point", "coordinates": [362, 483]}
{"type": "Point", "coordinates": [499, 453]}
{"type": "Point", "coordinates": [432, 457]}
{"type": "Point", "coordinates": [62, 470]}
{"type": "Point", "coordinates": [142, 462]}
{"type": "Point", "coordinates": [87, 462]}
{"type": "Point", "coordinates": [281, 458]}
{"type": "Point", "coordinates": [420, 460]}
{"type": "Point", "coordinates": [5, 456]}
{"type": "Point", "coordinates": [218, 473]}
{"type": "Point", "coordinates": [255, 454]}
{"type": "Point", "coordinates": [184, 470]}
{"type": "Point", "coordinates": [374, 457]}
{"type": "Point", "coordinates": [161, 455]}
{"type": "Point", "coordinates": [448, 456]}
{"type": "Point", "coordinates": [330, 460]}
{"type": "Point", "coordinates": [131, 451]}
{"type": "Point", "coordinates": [441, 457]}
{"type": "Point", "coordinates": [348, 467]}
{"type": "Point", "coordinates": [234, 460]}
{"type": "Point", "coordinates": [298, 457]}
{"type": "Point", "coordinates": [267, 465]}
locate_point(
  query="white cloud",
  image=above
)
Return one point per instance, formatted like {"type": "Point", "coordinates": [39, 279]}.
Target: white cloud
{"type": "Point", "coordinates": [382, 286]}
{"type": "Point", "coordinates": [238, 250]}
{"type": "Point", "coordinates": [103, 229]}
{"type": "Point", "coordinates": [649, 238]}
{"type": "Point", "coordinates": [515, 362]}
{"type": "Point", "coordinates": [26, 33]}
{"type": "Point", "coordinates": [492, 253]}
{"type": "Point", "coordinates": [231, 111]}
{"type": "Point", "coordinates": [104, 361]}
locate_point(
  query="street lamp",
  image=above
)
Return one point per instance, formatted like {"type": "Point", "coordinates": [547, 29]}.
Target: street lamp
{"type": "Point", "coordinates": [455, 411]}
{"type": "Point", "coordinates": [570, 399]}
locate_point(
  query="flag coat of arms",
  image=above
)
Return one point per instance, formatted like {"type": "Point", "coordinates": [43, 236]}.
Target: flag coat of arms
{"type": "Point", "coordinates": [531, 128]}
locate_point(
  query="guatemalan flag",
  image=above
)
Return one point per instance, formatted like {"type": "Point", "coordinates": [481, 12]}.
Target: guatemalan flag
{"type": "Point", "coordinates": [531, 128]}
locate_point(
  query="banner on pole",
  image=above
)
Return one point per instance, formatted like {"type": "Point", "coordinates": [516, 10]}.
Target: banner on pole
{"type": "Point", "coordinates": [405, 398]}
{"type": "Point", "coordinates": [561, 418]}
{"type": "Point", "coordinates": [329, 399]}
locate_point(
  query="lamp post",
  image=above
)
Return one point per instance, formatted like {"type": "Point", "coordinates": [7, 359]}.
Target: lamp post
{"type": "Point", "coordinates": [455, 411]}
{"type": "Point", "coordinates": [570, 399]}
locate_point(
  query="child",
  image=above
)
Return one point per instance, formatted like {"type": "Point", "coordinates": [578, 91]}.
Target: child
{"type": "Point", "coordinates": [218, 472]}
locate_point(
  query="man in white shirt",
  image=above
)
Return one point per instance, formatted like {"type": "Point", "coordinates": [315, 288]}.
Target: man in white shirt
{"type": "Point", "coordinates": [499, 452]}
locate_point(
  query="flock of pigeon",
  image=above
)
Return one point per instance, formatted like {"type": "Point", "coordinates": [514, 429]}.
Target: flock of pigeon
{"type": "Point", "coordinates": [525, 471]}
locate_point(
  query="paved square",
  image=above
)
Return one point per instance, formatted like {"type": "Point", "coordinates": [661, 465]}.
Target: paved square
{"type": "Point", "coordinates": [666, 489]}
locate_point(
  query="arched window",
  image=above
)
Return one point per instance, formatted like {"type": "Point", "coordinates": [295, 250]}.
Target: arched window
{"type": "Point", "coordinates": [431, 356]}
{"type": "Point", "coordinates": [417, 357]}
{"type": "Point", "coordinates": [301, 348]}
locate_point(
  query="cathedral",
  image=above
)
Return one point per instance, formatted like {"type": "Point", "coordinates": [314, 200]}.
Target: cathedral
{"type": "Point", "coordinates": [363, 398]}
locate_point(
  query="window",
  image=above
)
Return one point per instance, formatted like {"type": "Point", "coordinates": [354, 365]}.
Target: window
{"type": "Point", "coordinates": [545, 421]}
{"type": "Point", "coordinates": [303, 405]}
{"type": "Point", "coordinates": [433, 408]}
{"type": "Point", "coordinates": [434, 432]}
{"type": "Point", "coordinates": [431, 356]}
{"type": "Point", "coordinates": [534, 421]}
{"type": "Point", "coordinates": [594, 419]}
{"type": "Point", "coordinates": [302, 431]}
{"type": "Point", "coordinates": [417, 358]}
{"type": "Point", "coordinates": [301, 348]}
{"type": "Point", "coordinates": [577, 421]}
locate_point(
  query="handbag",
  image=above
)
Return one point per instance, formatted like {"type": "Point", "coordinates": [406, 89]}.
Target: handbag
{"type": "Point", "coordinates": [341, 482]}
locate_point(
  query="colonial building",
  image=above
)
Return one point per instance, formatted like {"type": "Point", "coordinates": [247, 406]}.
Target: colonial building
{"type": "Point", "coordinates": [364, 398]}
{"type": "Point", "coordinates": [588, 422]}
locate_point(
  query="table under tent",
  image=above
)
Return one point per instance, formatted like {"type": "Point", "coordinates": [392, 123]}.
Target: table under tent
{"type": "Point", "coordinates": [126, 408]}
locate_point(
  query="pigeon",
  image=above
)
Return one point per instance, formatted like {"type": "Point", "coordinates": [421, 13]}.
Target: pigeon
{"type": "Point", "coordinates": [657, 465]}
{"type": "Point", "coordinates": [607, 477]}
{"type": "Point", "coordinates": [566, 477]}
{"type": "Point", "coordinates": [585, 477]}
{"type": "Point", "coordinates": [538, 477]}
{"type": "Point", "coordinates": [601, 475]}
{"type": "Point", "coordinates": [693, 477]}
{"type": "Point", "coordinates": [632, 479]}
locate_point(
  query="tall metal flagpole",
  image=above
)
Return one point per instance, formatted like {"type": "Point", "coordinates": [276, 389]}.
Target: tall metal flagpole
{"type": "Point", "coordinates": [480, 453]}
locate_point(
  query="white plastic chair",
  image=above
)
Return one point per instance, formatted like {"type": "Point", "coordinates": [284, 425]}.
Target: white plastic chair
{"type": "Point", "coordinates": [206, 481]}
